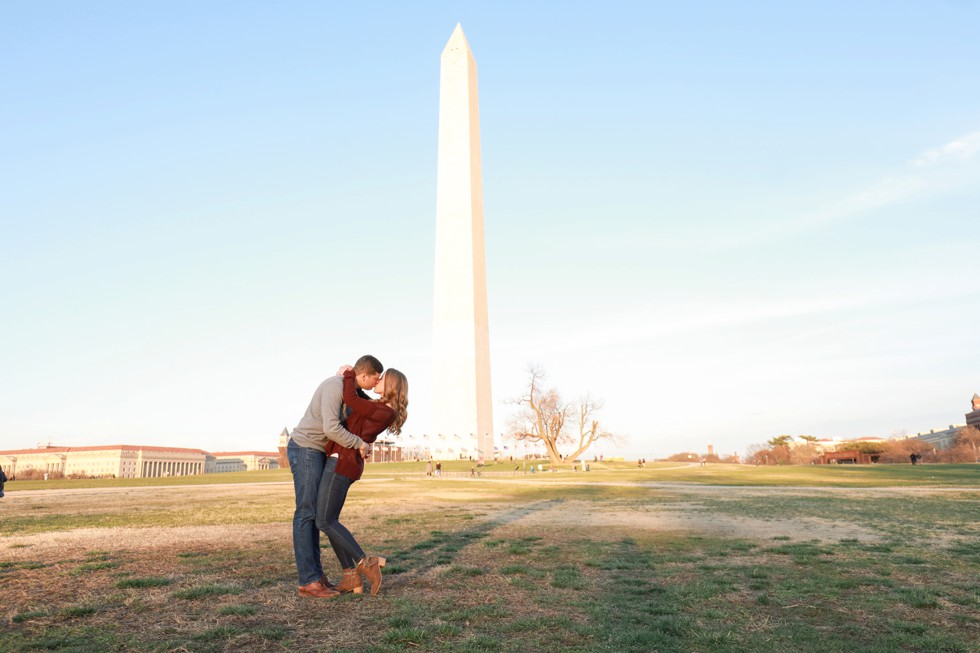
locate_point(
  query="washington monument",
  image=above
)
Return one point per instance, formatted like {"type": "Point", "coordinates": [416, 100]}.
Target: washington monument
{"type": "Point", "coordinates": [462, 417]}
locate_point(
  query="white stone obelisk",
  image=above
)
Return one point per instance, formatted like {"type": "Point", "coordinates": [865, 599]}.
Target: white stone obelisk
{"type": "Point", "coordinates": [462, 420]}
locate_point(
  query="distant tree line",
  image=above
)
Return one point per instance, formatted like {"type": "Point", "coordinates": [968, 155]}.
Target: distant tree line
{"type": "Point", "coordinates": [33, 474]}
{"type": "Point", "coordinates": [803, 450]}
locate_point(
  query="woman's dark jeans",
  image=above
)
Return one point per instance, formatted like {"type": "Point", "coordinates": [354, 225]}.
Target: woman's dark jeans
{"type": "Point", "coordinates": [330, 501]}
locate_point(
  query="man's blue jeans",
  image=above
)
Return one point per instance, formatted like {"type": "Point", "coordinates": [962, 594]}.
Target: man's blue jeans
{"type": "Point", "coordinates": [307, 467]}
{"type": "Point", "coordinates": [330, 501]}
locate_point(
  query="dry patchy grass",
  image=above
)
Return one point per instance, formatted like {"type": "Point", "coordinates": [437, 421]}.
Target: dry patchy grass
{"type": "Point", "coordinates": [489, 566]}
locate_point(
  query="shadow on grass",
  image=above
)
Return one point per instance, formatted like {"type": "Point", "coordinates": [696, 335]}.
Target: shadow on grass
{"type": "Point", "coordinates": [442, 548]}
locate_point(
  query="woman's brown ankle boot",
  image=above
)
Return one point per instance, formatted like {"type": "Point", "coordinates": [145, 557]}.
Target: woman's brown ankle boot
{"type": "Point", "coordinates": [371, 568]}
{"type": "Point", "coordinates": [351, 582]}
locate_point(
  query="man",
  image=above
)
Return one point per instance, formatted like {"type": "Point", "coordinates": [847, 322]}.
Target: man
{"type": "Point", "coordinates": [305, 451]}
{"type": "Point", "coordinates": [3, 479]}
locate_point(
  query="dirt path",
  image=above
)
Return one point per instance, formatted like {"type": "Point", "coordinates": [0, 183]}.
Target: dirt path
{"type": "Point", "coordinates": [684, 516]}
{"type": "Point", "coordinates": [181, 538]}
{"type": "Point", "coordinates": [695, 519]}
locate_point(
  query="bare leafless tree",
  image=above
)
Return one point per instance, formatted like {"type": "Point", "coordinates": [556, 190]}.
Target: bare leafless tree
{"type": "Point", "coordinates": [589, 430]}
{"type": "Point", "coordinates": [544, 418]}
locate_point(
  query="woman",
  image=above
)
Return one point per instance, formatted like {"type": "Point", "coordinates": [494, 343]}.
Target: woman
{"type": "Point", "coordinates": [344, 466]}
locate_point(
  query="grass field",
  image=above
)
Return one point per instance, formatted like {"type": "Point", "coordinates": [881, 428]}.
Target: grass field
{"type": "Point", "coordinates": [668, 558]}
{"type": "Point", "coordinates": [722, 474]}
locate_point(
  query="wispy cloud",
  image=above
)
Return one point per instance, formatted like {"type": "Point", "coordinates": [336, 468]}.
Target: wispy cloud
{"type": "Point", "coordinates": [961, 149]}
{"type": "Point", "coordinates": [648, 322]}
{"type": "Point", "coordinates": [645, 323]}
{"type": "Point", "coordinates": [933, 171]}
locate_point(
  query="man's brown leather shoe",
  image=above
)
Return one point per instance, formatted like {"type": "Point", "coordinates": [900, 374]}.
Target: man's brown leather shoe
{"type": "Point", "coordinates": [317, 591]}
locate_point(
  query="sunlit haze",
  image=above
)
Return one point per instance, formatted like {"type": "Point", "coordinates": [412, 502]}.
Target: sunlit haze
{"type": "Point", "coordinates": [725, 221]}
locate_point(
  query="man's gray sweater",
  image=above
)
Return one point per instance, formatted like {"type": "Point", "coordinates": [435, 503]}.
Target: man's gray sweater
{"type": "Point", "coordinates": [322, 420]}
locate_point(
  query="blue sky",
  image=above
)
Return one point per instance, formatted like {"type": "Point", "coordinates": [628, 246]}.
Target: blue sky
{"type": "Point", "coordinates": [727, 222]}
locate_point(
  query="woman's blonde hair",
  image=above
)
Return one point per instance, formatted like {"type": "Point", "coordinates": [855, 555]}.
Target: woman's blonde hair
{"type": "Point", "coordinates": [396, 396]}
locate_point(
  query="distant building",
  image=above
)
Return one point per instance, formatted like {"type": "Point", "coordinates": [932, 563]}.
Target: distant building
{"type": "Point", "coordinates": [245, 461]}
{"type": "Point", "coordinates": [853, 457]}
{"type": "Point", "coordinates": [944, 438]}
{"type": "Point", "coordinates": [826, 447]}
{"type": "Point", "coordinates": [385, 451]}
{"type": "Point", "coordinates": [382, 451]}
{"type": "Point", "coordinates": [283, 441]}
{"type": "Point", "coordinates": [136, 461]}
{"type": "Point", "coordinates": [113, 461]}
{"type": "Point", "coordinates": [939, 438]}
{"type": "Point", "coordinates": [819, 445]}
{"type": "Point", "coordinates": [973, 417]}
{"type": "Point", "coordinates": [867, 440]}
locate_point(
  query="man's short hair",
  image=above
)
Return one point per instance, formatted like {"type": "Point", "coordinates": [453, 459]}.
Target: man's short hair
{"type": "Point", "coordinates": [367, 364]}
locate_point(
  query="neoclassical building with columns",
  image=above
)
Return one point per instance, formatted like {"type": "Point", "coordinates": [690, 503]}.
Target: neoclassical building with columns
{"type": "Point", "coordinates": [119, 460]}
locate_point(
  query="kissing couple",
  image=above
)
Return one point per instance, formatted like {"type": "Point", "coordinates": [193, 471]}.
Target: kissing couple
{"type": "Point", "coordinates": [326, 453]}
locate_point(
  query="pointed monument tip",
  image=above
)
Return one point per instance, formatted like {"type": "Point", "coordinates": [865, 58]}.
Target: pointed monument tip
{"type": "Point", "coordinates": [457, 39]}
